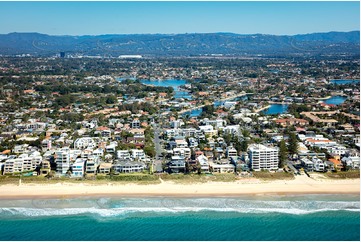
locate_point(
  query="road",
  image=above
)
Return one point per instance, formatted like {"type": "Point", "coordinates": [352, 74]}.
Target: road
{"type": "Point", "coordinates": [157, 164]}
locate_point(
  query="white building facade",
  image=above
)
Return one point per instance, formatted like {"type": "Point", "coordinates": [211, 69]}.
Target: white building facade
{"type": "Point", "coordinates": [263, 157]}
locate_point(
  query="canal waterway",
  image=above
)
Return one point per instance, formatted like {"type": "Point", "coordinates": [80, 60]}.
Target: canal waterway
{"type": "Point", "coordinates": [276, 109]}
{"type": "Point", "coordinates": [342, 82]}
{"type": "Point", "coordinates": [336, 100]}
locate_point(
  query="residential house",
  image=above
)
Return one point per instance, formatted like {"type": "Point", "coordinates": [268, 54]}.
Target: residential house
{"type": "Point", "coordinates": [128, 166]}
{"type": "Point", "coordinates": [104, 168]}
{"type": "Point", "coordinates": [203, 162]}
{"type": "Point", "coordinates": [45, 168]}
{"type": "Point", "coordinates": [307, 164]}
{"type": "Point", "coordinates": [137, 154]}
{"type": "Point", "coordinates": [111, 147]}
{"type": "Point", "coordinates": [85, 142]}
{"type": "Point", "coordinates": [177, 164]}
{"type": "Point", "coordinates": [185, 152]}
{"type": "Point", "coordinates": [318, 164]}
{"type": "Point", "coordinates": [123, 154]}
{"type": "Point", "coordinates": [222, 168]}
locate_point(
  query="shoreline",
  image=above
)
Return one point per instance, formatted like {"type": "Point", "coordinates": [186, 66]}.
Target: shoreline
{"type": "Point", "coordinates": [298, 186]}
{"type": "Point", "coordinates": [162, 195]}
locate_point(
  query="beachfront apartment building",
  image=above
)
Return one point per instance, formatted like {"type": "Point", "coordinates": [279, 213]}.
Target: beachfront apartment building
{"type": "Point", "coordinates": [23, 162]}
{"type": "Point", "coordinates": [263, 157]}
{"type": "Point", "coordinates": [91, 165]}
{"type": "Point", "coordinates": [222, 168]}
{"type": "Point", "coordinates": [181, 143]}
{"type": "Point", "coordinates": [9, 166]}
{"type": "Point", "coordinates": [62, 160]}
{"type": "Point", "coordinates": [78, 168]}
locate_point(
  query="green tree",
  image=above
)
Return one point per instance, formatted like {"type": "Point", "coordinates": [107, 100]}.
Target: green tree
{"type": "Point", "coordinates": [150, 150]}
{"type": "Point", "coordinates": [244, 145]}
{"type": "Point", "coordinates": [282, 154]}
{"type": "Point", "coordinates": [111, 99]}
{"type": "Point", "coordinates": [292, 144]}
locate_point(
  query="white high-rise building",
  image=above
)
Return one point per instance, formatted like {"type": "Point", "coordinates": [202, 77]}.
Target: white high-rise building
{"type": "Point", "coordinates": [62, 159]}
{"type": "Point", "coordinates": [263, 157]}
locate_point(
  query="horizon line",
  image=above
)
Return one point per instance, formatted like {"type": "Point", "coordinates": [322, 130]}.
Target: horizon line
{"type": "Point", "coordinates": [59, 35]}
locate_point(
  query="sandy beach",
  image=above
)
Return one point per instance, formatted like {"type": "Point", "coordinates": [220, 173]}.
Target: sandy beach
{"type": "Point", "coordinates": [300, 185]}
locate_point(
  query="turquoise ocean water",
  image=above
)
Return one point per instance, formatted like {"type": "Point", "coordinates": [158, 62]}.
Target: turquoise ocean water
{"type": "Point", "coordinates": [312, 217]}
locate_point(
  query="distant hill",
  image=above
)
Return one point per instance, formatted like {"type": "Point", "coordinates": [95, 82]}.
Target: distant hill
{"type": "Point", "coordinates": [332, 43]}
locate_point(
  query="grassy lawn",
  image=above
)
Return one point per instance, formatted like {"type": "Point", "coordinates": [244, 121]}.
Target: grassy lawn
{"type": "Point", "coordinates": [266, 175]}
{"type": "Point", "coordinates": [343, 174]}
{"type": "Point", "coordinates": [195, 178]}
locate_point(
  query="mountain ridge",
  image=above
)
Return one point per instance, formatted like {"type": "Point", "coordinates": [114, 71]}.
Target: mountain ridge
{"type": "Point", "coordinates": [186, 44]}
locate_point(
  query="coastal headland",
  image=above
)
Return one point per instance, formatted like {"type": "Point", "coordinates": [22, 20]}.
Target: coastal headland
{"type": "Point", "coordinates": [300, 185]}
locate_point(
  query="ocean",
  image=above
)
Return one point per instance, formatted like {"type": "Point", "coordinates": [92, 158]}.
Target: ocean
{"type": "Point", "coordinates": [306, 217]}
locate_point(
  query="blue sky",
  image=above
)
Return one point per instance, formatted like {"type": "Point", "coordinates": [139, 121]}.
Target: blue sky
{"type": "Point", "coordinates": [93, 18]}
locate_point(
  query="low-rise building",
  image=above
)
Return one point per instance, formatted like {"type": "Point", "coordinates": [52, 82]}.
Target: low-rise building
{"type": "Point", "coordinates": [231, 152]}
{"type": "Point", "coordinates": [185, 152]}
{"type": "Point", "coordinates": [104, 168]}
{"type": "Point", "coordinates": [128, 166]}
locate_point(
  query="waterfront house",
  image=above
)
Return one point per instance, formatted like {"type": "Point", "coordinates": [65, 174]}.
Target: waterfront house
{"type": "Point", "coordinates": [352, 162]}
{"type": "Point", "coordinates": [177, 164]}
{"type": "Point", "coordinates": [45, 168]}
{"type": "Point", "coordinates": [222, 168]}
{"type": "Point", "coordinates": [318, 164]}
{"type": "Point", "coordinates": [128, 166]}
{"type": "Point", "coordinates": [203, 162]}
{"type": "Point", "coordinates": [104, 168]}
{"type": "Point", "coordinates": [337, 164]}
{"type": "Point", "coordinates": [307, 164]}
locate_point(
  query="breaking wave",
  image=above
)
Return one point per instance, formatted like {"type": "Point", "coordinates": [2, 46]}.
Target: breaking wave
{"type": "Point", "coordinates": [127, 207]}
